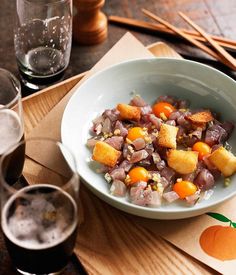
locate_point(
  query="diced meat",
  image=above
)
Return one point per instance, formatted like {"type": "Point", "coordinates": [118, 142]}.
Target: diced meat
{"type": "Point", "coordinates": [156, 157]}
{"type": "Point", "coordinates": [146, 110]}
{"type": "Point", "coordinates": [97, 129]}
{"type": "Point", "coordinates": [155, 121]}
{"type": "Point", "coordinates": [116, 142]}
{"type": "Point", "coordinates": [171, 122]}
{"type": "Point", "coordinates": [137, 193]}
{"type": "Point", "coordinates": [182, 104]}
{"type": "Point", "coordinates": [113, 114]}
{"type": "Point", "coordinates": [141, 196]}
{"type": "Point", "coordinates": [139, 155]}
{"type": "Point", "coordinates": [164, 182]}
{"type": "Point", "coordinates": [188, 177]}
{"type": "Point", "coordinates": [121, 128]}
{"type": "Point", "coordinates": [145, 162]}
{"type": "Point", "coordinates": [189, 140]}
{"type": "Point", "coordinates": [180, 134]}
{"type": "Point", "coordinates": [197, 133]}
{"type": "Point", "coordinates": [182, 121]}
{"type": "Point", "coordinates": [153, 199]}
{"type": "Point", "coordinates": [200, 165]}
{"type": "Point", "coordinates": [168, 173]}
{"type": "Point", "coordinates": [137, 196]}
{"type": "Point", "coordinates": [149, 148]}
{"type": "Point", "coordinates": [125, 150]}
{"type": "Point", "coordinates": [139, 143]}
{"type": "Point", "coordinates": [118, 188]}
{"type": "Point", "coordinates": [191, 200]}
{"type": "Point", "coordinates": [106, 127]}
{"type": "Point", "coordinates": [103, 169]}
{"type": "Point", "coordinates": [171, 196]}
{"type": "Point", "coordinates": [167, 98]}
{"type": "Point", "coordinates": [204, 179]}
{"type": "Point", "coordinates": [138, 101]}
{"type": "Point", "coordinates": [140, 184]}
{"type": "Point", "coordinates": [160, 165]}
{"type": "Point", "coordinates": [144, 119]}
{"type": "Point", "coordinates": [126, 165]}
{"type": "Point", "coordinates": [175, 115]}
{"type": "Point", "coordinates": [229, 127]}
{"type": "Point", "coordinates": [91, 142]}
{"type": "Point", "coordinates": [215, 134]}
{"type": "Point", "coordinates": [118, 174]}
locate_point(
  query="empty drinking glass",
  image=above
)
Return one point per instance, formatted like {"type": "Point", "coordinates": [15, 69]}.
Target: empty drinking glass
{"type": "Point", "coordinates": [43, 35]}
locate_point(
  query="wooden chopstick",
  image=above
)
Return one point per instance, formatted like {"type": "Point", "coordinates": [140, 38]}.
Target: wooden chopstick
{"type": "Point", "coordinates": [224, 42]}
{"type": "Point", "coordinates": [179, 32]}
{"type": "Point", "coordinates": [185, 36]}
{"type": "Point", "coordinates": [228, 58]}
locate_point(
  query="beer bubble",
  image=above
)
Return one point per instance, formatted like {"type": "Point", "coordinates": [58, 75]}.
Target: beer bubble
{"type": "Point", "coordinates": [22, 228]}
{"type": "Point", "coordinates": [51, 235]}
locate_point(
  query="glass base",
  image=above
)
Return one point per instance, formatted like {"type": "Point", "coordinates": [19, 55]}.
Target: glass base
{"type": "Point", "coordinates": [27, 273]}
{"type": "Point", "coordinates": [42, 67]}
{"type": "Point", "coordinates": [37, 85]}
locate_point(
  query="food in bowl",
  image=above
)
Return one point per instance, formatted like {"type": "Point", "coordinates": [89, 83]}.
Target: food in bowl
{"type": "Point", "coordinates": [162, 153]}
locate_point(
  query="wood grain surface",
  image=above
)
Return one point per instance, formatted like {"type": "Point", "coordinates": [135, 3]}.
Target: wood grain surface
{"type": "Point", "coordinates": [110, 241]}
{"type": "Point", "coordinates": [215, 16]}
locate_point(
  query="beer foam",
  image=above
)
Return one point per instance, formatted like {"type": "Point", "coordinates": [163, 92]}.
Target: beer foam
{"type": "Point", "coordinates": [25, 230]}
{"type": "Point", "coordinates": [10, 129]}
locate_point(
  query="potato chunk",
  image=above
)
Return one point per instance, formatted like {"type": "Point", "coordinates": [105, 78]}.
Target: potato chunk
{"type": "Point", "coordinates": [129, 112]}
{"type": "Point", "coordinates": [224, 161]}
{"type": "Point", "coordinates": [105, 154]}
{"type": "Point", "coordinates": [167, 136]}
{"type": "Point", "coordinates": [183, 162]}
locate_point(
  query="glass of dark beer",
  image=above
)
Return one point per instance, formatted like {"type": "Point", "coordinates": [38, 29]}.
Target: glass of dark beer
{"type": "Point", "coordinates": [43, 35]}
{"type": "Point", "coordinates": [11, 114]}
{"type": "Point", "coordinates": [40, 219]}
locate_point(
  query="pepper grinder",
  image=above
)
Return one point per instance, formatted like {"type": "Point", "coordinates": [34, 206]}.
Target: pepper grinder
{"type": "Point", "coordinates": [89, 23]}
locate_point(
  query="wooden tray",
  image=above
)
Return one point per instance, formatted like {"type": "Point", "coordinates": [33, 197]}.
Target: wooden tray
{"type": "Point", "coordinates": [110, 241]}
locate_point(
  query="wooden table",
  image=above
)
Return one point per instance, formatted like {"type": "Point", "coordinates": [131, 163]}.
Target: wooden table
{"type": "Point", "coordinates": [217, 17]}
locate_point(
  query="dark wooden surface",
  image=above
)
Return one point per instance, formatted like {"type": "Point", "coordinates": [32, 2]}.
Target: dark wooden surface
{"type": "Point", "coordinates": [215, 16]}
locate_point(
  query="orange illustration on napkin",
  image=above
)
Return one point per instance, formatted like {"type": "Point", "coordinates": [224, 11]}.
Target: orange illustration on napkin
{"type": "Point", "coordinates": [219, 241]}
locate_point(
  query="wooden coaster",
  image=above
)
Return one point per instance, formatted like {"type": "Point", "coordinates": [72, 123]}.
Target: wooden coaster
{"type": "Point", "coordinates": [89, 23]}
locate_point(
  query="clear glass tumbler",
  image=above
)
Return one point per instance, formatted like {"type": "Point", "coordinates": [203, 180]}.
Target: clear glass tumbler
{"type": "Point", "coordinates": [39, 216]}
{"type": "Point", "coordinates": [43, 37]}
{"type": "Point", "coordinates": [11, 113]}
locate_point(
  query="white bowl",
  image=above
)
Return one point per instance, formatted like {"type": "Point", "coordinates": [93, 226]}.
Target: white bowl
{"type": "Point", "coordinates": [200, 84]}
